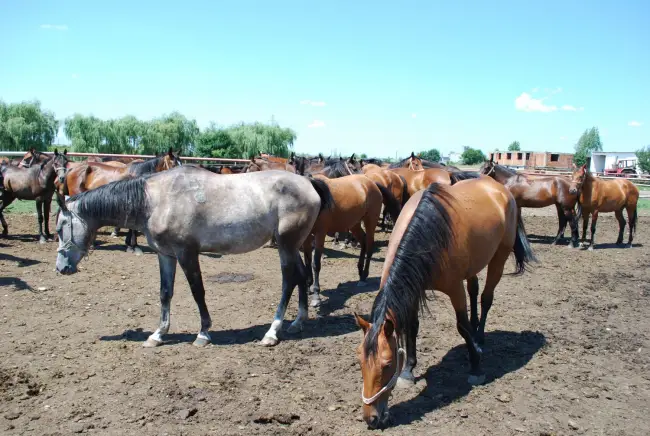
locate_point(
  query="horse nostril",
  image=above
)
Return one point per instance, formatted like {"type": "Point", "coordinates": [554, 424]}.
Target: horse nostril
{"type": "Point", "coordinates": [373, 421]}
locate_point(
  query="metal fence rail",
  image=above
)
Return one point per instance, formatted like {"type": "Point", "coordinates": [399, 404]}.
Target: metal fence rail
{"type": "Point", "coordinates": [216, 160]}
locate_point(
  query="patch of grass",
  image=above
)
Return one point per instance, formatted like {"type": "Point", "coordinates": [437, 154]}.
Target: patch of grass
{"type": "Point", "coordinates": [644, 203]}
{"type": "Point", "coordinates": [643, 187]}
{"type": "Point", "coordinates": [20, 206]}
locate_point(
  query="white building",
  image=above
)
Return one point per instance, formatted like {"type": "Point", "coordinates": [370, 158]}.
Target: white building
{"type": "Point", "coordinates": [609, 159]}
{"type": "Point", "coordinates": [454, 156]}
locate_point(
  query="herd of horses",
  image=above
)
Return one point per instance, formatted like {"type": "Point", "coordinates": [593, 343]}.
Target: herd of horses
{"type": "Point", "coordinates": [447, 226]}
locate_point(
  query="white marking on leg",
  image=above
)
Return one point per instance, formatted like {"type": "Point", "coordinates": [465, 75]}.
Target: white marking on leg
{"type": "Point", "coordinates": [204, 335]}
{"type": "Point", "coordinates": [157, 335]}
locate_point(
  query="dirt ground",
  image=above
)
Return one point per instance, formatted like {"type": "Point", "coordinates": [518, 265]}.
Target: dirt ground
{"type": "Point", "coordinates": [567, 347]}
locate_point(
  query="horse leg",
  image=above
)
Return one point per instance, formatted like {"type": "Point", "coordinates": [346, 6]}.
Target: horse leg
{"type": "Point", "coordinates": [585, 223]}
{"type": "Point", "coordinates": [594, 218]}
{"type": "Point", "coordinates": [561, 225]}
{"type": "Point", "coordinates": [621, 225]}
{"type": "Point", "coordinates": [115, 233]}
{"type": "Point", "coordinates": [292, 274]}
{"type": "Point", "coordinates": [167, 265]}
{"type": "Point", "coordinates": [189, 262]}
{"type": "Point", "coordinates": [39, 212]}
{"type": "Point", "coordinates": [494, 273]}
{"type": "Point", "coordinates": [472, 290]}
{"type": "Point", "coordinates": [631, 217]}
{"type": "Point", "coordinates": [318, 253]}
{"type": "Point", "coordinates": [570, 216]}
{"type": "Point", "coordinates": [47, 205]}
{"type": "Point", "coordinates": [307, 248]}
{"type": "Point", "coordinates": [5, 227]}
{"type": "Point", "coordinates": [361, 237]}
{"type": "Point", "coordinates": [459, 302]}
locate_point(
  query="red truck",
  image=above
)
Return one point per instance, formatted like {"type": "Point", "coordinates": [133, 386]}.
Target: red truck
{"type": "Point", "coordinates": [623, 168]}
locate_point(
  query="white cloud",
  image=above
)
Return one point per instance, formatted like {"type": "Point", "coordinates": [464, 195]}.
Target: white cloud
{"type": "Point", "coordinates": [414, 115]}
{"type": "Point", "coordinates": [54, 26]}
{"type": "Point", "coordinates": [313, 103]}
{"type": "Point", "coordinates": [316, 123]}
{"type": "Point", "coordinates": [525, 102]}
{"type": "Point", "coordinates": [75, 76]}
{"type": "Point", "coordinates": [634, 124]}
{"type": "Point", "coordinates": [556, 90]}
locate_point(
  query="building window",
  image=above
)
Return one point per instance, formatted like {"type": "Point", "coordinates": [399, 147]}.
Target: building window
{"type": "Point", "coordinates": [508, 156]}
{"type": "Point", "coordinates": [491, 156]}
{"type": "Point", "coordinates": [555, 157]}
{"type": "Point", "coordinates": [527, 156]}
{"type": "Point", "coordinates": [520, 156]}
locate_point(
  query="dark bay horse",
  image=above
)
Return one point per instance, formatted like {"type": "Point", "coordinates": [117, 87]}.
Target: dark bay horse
{"type": "Point", "coordinates": [444, 236]}
{"type": "Point", "coordinates": [356, 200]}
{"type": "Point", "coordinates": [187, 211]}
{"type": "Point", "coordinates": [598, 195]}
{"type": "Point", "coordinates": [540, 191]}
{"type": "Point", "coordinates": [92, 175]}
{"type": "Point", "coordinates": [36, 182]}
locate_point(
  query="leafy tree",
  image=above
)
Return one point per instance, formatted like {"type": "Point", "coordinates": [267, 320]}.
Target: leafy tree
{"type": "Point", "coordinates": [25, 125]}
{"type": "Point", "coordinates": [514, 146]}
{"type": "Point", "coordinates": [432, 155]}
{"type": "Point", "coordinates": [472, 156]}
{"type": "Point", "coordinates": [363, 156]}
{"type": "Point", "coordinates": [643, 159]}
{"type": "Point", "coordinates": [215, 142]}
{"type": "Point", "coordinates": [588, 142]}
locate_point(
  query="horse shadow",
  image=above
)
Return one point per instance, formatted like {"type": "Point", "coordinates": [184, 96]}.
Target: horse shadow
{"type": "Point", "coordinates": [610, 245]}
{"type": "Point", "coordinates": [337, 297]}
{"type": "Point", "coordinates": [21, 238]}
{"type": "Point", "coordinates": [548, 240]}
{"type": "Point", "coordinates": [504, 352]}
{"type": "Point", "coordinates": [331, 253]}
{"type": "Point", "coordinates": [109, 246]}
{"type": "Point", "coordinates": [20, 260]}
{"type": "Point", "coordinates": [312, 328]}
{"type": "Point", "coordinates": [19, 284]}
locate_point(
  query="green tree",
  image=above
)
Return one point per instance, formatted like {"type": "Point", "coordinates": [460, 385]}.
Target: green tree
{"type": "Point", "coordinates": [363, 156]}
{"type": "Point", "coordinates": [643, 159]}
{"type": "Point", "coordinates": [256, 138]}
{"type": "Point", "coordinates": [472, 156]}
{"type": "Point", "coordinates": [432, 155]}
{"type": "Point", "coordinates": [588, 142]}
{"type": "Point", "coordinates": [84, 133]}
{"type": "Point", "coordinates": [514, 146]}
{"type": "Point", "coordinates": [215, 142]}
{"type": "Point", "coordinates": [26, 125]}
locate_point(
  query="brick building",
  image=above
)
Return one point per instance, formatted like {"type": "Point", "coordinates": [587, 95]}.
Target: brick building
{"type": "Point", "coordinates": [532, 159]}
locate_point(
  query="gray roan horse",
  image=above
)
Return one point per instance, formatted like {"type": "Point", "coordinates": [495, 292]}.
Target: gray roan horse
{"type": "Point", "coordinates": [188, 210]}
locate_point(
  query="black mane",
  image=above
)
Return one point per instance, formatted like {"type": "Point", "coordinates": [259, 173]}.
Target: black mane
{"type": "Point", "coordinates": [335, 168]}
{"type": "Point", "coordinates": [399, 164]}
{"type": "Point", "coordinates": [147, 167]}
{"type": "Point", "coordinates": [124, 198]}
{"type": "Point", "coordinates": [418, 258]}
{"type": "Point", "coordinates": [373, 160]}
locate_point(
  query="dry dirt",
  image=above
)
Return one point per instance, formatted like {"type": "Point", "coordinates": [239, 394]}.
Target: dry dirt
{"type": "Point", "coordinates": [567, 347]}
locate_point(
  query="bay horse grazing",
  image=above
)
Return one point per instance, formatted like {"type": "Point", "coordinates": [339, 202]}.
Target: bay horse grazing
{"type": "Point", "coordinates": [356, 200]}
{"type": "Point", "coordinates": [598, 195]}
{"type": "Point", "coordinates": [540, 191]}
{"type": "Point", "coordinates": [33, 183]}
{"type": "Point", "coordinates": [92, 175]}
{"type": "Point", "coordinates": [187, 211]}
{"type": "Point", "coordinates": [445, 235]}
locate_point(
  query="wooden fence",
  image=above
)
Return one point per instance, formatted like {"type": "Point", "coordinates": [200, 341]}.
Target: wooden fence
{"type": "Point", "coordinates": [214, 160]}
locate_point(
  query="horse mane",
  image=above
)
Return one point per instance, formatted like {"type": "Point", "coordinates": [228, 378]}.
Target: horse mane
{"type": "Point", "coordinates": [399, 164]}
{"type": "Point", "coordinates": [458, 176]}
{"type": "Point", "coordinates": [418, 258]}
{"type": "Point", "coordinates": [430, 164]}
{"type": "Point", "coordinates": [505, 169]}
{"type": "Point", "coordinates": [147, 167]}
{"type": "Point", "coordinates": [122, 198]}
{"type": "Point", "coordinates": [372, 160]}
{"type": "Point", "coordinates": [335, 168]}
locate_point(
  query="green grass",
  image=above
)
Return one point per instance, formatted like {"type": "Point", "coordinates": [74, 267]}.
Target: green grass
{"type": "Point", "coordinates": [643, 187]}
{"type": "Point", "coordinates": [27, 206]}
{"type": "Point", "coordinates": [644, 203]}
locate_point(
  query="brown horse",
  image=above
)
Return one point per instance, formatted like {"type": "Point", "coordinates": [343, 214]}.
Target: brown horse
{"type": "Point", "coordinates": [419, 180]}
{"type": "Point", "coordinates": [262, 164]}
{"type": "Point", "coordinates": [598, 195]}
{"type": "Point", "coordinates": [357, 200]}
{"type": "Point", "coordinates": [91, 175]}
{"type": "Point", "coordinates": [540, 191]}
{"type": "Point", "coordinates": [390, 180]}
{"type": "Point", "coordinates": [445, 235]}
{"type": "Point", "coordinates": [33, 183]}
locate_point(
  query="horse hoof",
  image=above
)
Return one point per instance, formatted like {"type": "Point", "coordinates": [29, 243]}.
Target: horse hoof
{"type": "Point", "coordinates": [405, 381]}
{"type": "Point", "coordinates": [268, 341]}
{"type": "Point", "coordinates": [476, 380]}
{"type": "Point", "coordinates": [315, 302]}
{"type": "Point", "coordinates": [151, 343]}
{"type": "Point", "coordinates": [295, 327]}
{"type": "Point", "coordinates": [591, 248]}
{"type": "Point", "coordinates": [114, 235]}
{"type": "Point", "coordinates": [201, 342]}
{"type": "Point", "coordinates": [628, 245]}
{"type": "Point", "coordinates": [581, 245]}
{"type": "Point", "coordinates": [42, 240]}
{"type": "Point", "coordinates": [137, 251]}
{"type": "Point", "coordinates": [361, 283]}
{"type": "Point", "coordinates": [129, 249]}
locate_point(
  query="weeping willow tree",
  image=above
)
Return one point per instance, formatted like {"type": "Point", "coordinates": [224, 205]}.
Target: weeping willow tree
{"type": "Point", "coordinates": [26, 125]}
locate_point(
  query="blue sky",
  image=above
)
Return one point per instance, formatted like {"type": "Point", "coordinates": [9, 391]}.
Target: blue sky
{"type": "Point", "coordinates": [366, 76]}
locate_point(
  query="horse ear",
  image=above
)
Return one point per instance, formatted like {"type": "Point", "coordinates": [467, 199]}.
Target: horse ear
{"type": "Point", "coordinates": [170, 152]}
{"type": "Point", "coordinates": [60, 199]}
{"type": "Point", "coordinates": [365, 325]}
{"type": "Point", "coordinates": [389, 328]}
{"type": "Point", "coordinates": [65, 152]}
{"type": "Point", "coordinates": [56, 152]}
{"type": "Point", "coordinates": [412, 155]}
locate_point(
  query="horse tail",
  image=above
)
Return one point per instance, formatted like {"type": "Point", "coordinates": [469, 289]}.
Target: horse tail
{"type": "Point", "coordinates": [523, 251]}
{"type": "Point", "coordinates": [405, 191]}
{"type": "Point", "coordinates": [458, 176]}
{"type": "Point", "coordinates": [390, 202]}
{"type": "Point", "coordinates": [633, 222]}
{"type": "Point", "coordinates": [326, 199]}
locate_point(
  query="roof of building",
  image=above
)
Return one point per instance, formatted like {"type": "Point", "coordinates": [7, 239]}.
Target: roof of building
{"type": "Point", "coordinates": [612, 152]}
{"type": "Point", "coordinates": [529, 151]}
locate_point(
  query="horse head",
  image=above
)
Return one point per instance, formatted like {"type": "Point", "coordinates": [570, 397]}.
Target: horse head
{"type": "Point", "coordinates": [381, 365]}
{"type": "Point", "coordinates": [415, 163]}
{"type": "Point", "coordinates": [170, 160]}
{"type": "Point", "coordinates": [60, 165]}
{"type": "Point", "coordinates": [31, 157]}
{"type": "Point", "coordinates": [75, 238]}
{"type": "Point", "coordinates": [578, 179]}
